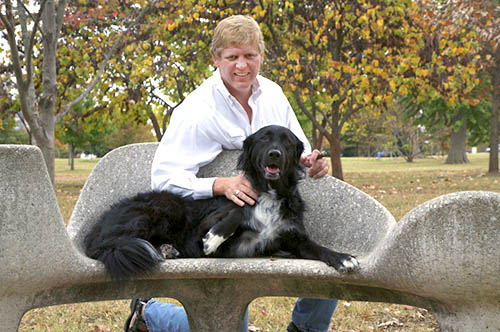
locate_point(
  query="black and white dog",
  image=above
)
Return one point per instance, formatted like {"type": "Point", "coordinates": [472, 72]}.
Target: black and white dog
{"type": "Point", "coordinates": [127, 235]}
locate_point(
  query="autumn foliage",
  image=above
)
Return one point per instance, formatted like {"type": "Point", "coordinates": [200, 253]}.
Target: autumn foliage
{"type": "Point", "coordinates": [336, 60]}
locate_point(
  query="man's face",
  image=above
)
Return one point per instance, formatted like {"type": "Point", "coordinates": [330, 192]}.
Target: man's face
{"type": "Point", "coordinates": [239, 65]}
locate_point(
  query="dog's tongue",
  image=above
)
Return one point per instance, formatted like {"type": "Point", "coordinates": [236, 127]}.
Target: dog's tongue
{"type": "Point", "coordinates": [272, 169]}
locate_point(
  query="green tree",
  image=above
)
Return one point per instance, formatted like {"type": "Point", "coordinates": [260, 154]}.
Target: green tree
{"type": "Point", "coordinates": [12, 134]}
{"type": "Point", "coordinates": [338, 59]}
{"type": "Point", "coordinates": [81, 130]}
{"type": "Point", "coordinates": [452, 54]}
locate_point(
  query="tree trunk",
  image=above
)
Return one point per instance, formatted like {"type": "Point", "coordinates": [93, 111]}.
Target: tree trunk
{"type": "Point", "coordinates": [415, 148]}
{"type": "Point", "coordinates": [335, 155]}
{"type": "Point", "coordinates": [49, 92]}
{"type": "Point", "coordinates": [71, 157]}
{"type": "Point", "coordinates": [493, 164]}
{"type": "Point", "coordinates": [156, 126]}
{"type": "Point", "coordinates": [458, 143]}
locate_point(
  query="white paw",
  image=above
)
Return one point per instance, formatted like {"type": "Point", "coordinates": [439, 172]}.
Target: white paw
{"type": "Point", "coordinates": [211, 242]}
{"type": "Point", "coordinates": [349, 264]}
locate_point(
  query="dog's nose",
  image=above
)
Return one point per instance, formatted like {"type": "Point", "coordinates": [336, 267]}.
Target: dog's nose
{"type": "Point", "coordinates": [274, 153]}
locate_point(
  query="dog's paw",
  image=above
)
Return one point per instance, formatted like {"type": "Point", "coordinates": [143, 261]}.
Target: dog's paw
{"type": "Point", "coordinates": [211, 242]}
{"type": "Point", "coordinates": [168, 251]}
{"type": "Point", "coordinates": [342, 262]}
{"type": "Point", "coordinates": [348, 264]}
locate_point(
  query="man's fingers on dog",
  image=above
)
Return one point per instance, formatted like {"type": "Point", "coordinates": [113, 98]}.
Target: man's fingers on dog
{"type": "Point", "coordinates": [247, 189]}
{"type": "Point", "coordinates": [250, 194]}
{"type": "Point", "coordinates": [242, 198]}
{"type": "Point", "coordinates": [237, 200]}
{"type": "Point", "coordinates": [248, 199]}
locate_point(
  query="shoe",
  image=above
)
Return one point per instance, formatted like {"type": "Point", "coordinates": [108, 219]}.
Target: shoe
{"type": "Point", "coordinates": [292, 328]}
{"type": "Point", "coordinates": [135, 322]}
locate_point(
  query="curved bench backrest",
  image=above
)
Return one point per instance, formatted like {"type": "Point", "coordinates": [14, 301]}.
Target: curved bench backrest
{"type": "Point", "coordinates": [30, 223]}
{"type": "Point", "coordinates": [338, 215]}
{"type": "Point", "coordinates": [121, 173]}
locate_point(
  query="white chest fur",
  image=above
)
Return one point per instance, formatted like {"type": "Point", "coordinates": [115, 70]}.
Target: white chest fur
{"type": "Point", "coordinates": [266, 217]}
{"type": "Point", "coordinates": [266, 223]}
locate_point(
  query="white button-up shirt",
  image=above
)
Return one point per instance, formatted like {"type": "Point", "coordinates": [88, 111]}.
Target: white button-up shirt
{"type": "Point", "coordinates": [209, 120]}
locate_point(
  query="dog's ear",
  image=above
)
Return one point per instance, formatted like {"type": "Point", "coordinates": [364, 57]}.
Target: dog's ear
{"type": "Point", "coordinates": [300, 169]}
{"type": "Point", "coordinates": [299, 147]}
{"type": "Point", "coordinates": [243, 160]}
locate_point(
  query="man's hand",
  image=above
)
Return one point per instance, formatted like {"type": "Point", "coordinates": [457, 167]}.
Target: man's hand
{"type": "Point", "coordinates": [237, 189]}
{"type": "Point", "coordinates": [318, 166]}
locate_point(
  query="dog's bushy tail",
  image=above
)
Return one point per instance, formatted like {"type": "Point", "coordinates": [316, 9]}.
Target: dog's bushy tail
{"type": "Point", "coordinates": [127, 258]}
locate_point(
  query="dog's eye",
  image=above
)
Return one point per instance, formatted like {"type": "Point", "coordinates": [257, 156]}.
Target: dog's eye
{"type": "Point", "coordinates": [264, 138]}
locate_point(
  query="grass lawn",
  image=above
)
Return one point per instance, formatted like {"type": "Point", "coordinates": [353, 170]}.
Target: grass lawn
{"type": "Point", "coordinates": [398, 185]}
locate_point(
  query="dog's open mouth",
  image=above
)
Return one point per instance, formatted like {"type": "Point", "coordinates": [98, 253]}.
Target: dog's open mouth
{"type": "Point", "coordinates": [272, 172]}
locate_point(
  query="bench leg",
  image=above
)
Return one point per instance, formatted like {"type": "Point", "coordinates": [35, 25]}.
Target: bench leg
{"type": "Point", "coordinates": [216, 305]}
{"type": "Point", "coordinates": [11, 313]}
{"type": "Point", "coordinates": [477, 317]}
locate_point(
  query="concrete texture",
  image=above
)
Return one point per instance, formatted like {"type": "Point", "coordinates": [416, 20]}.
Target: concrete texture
{"type": "Point", "coordinates": [442, 256]}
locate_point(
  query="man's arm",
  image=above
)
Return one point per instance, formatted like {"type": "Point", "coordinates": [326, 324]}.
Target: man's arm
{"type": "Point", "coordinates": [184, 148]}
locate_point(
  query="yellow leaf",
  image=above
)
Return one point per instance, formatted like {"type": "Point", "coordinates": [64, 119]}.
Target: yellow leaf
{"type": "Point", "coordinates": [452, 101]}
{"type": "Point", "coordinates": [362, 19]}
{"type": "Point", "coordinates": [368, 97]}
{"type": "Point", "coordinates": [392, 84]}
{"type": "Point", "coordinates": [380, 24]}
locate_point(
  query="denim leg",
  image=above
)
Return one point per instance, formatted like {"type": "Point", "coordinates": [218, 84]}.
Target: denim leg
{"type": "Point", "coordinates": [167, 317]}
{"type": "Point", "coordinates": [313, 315]}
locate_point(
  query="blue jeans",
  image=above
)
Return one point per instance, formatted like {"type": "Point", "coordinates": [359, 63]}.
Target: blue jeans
{"type": "Point", "coordinates": [309, 315]}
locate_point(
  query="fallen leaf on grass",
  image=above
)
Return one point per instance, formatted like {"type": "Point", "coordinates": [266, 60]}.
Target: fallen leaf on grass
{"type": "Point", "coordinates": [101, 328]}
{"type": "Point", "coordinates": [392, 322]}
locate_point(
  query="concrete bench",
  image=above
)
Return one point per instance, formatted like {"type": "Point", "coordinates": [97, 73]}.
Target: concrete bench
{"type": "Point", "coordinates": [444, 255]}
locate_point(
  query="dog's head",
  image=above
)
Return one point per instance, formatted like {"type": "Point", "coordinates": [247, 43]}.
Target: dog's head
{"type": "Point", "coordinates": [271, 158]}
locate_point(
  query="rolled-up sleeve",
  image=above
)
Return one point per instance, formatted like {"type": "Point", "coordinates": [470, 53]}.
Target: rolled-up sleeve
{"type": "Point", "coordinates": [183, 150]}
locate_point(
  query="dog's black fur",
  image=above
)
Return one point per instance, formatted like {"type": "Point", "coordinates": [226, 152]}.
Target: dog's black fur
{"type": "Point", "coordinates": [127, 235]}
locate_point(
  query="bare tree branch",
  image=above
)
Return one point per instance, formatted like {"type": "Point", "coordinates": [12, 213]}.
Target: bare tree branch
{"type": "Point", "coordinates": [30, 40]}
{"type": "Point", "coordinates": [310, 116]}
{"type": "Point", "coordinates": [9, 22]}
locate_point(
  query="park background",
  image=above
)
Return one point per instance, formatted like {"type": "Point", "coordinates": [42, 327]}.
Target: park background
{"type": "Point", "coordinates": [397, 93]}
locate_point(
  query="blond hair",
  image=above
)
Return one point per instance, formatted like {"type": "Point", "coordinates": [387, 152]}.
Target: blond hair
{"type": "Point", "coordinates": [238, 30]}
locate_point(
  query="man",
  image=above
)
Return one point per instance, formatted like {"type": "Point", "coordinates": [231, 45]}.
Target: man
{"type": "Point", "coordinates": [226, 108]}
